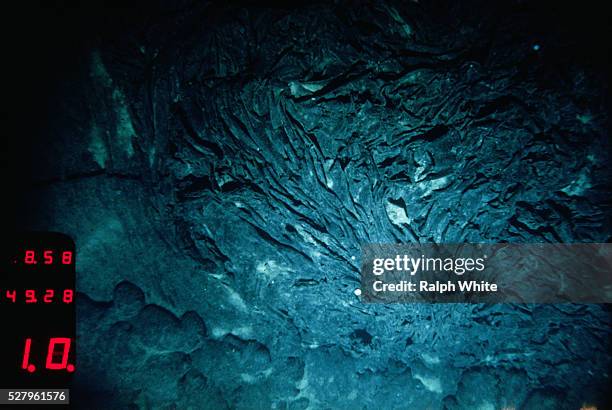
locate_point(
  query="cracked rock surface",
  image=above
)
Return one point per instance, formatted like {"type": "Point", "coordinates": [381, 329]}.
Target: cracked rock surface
{"type": "Point", "coordinates": [220, 165]}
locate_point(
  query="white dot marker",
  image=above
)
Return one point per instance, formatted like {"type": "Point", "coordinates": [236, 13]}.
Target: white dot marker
{"type": "Point", "coordinates": [357, 292]}
{"type": "Point", "coordinates": [352, 258]}
{"type": "Point", "coordinates": [536, 47]}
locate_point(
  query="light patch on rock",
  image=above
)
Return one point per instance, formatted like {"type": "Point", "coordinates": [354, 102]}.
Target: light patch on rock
{"type": "Point", "coordinates": [304, 234]}
{"type": "Point", "coordinates": [124, 128]}
{"type": "Point", "coordinates": [578, 186]}
{"type": "Point", "coordinates": [224, 179]}
{"type": "Point", "coordinates": [247, 378]}
{"type": "Point", "coordinates": [420, 173]}
{"type": "Point", "coordinates": [316, 255]}
{"type": "Point", "coordinates": [243, 332]}
{"type": "Point", "coordinates": [406, 29]}
{"type": "Point", "coordinates": [432, 384]}
{"type": "Point", "coordinates": [218, 332]}
{"type": "Point", "coordinates": [152, 153]}
{"type": "Point", "coordinates": [306, 391]}
{"type": "Point", "coordinates": [253, 378]}
{"type": "Point", "coordinates": [303, 382]}
{"type": "Point", "coordinates": [271, 269]}
{"type": "Point", "coordinates": [313, 86]}
{"type": "Point", "coordinates": [97, 146]}
{"type": "Point", "coordinates": [98, 70]}
{"type": "Point", "coordinates": [235, 299]}
{"type": "Point", "coordinates": [434, 184]}
{"type": "Point", "coordinates": [584, 118]}
{"type": "Point", "coordinates": [430, 359]}
{"type": "Point", "coordinates": [397, 214]}
{"type": "Point", "coordinates": [300, 89]}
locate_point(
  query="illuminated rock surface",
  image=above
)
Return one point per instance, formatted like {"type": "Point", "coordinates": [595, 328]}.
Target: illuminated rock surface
{"type": "Point", "coordinates": [220, 167]}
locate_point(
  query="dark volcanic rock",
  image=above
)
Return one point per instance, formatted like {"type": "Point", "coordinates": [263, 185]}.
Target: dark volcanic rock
{"type": "Point", "coordinates": [219, 167]}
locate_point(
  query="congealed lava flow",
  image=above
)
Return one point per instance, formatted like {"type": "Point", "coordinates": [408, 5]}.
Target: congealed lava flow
{"type": "Point", "coordinates": [219, 166]}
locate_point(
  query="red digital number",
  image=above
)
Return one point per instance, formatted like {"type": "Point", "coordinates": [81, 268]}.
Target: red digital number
{"type": "Point", "coordinates": [68, 296]}
{"type": "Point", "coordinates": [12, 295]}
{"type": "Point", "coordinates": [48, 256]}
{"type": "Point", "coordinates": [48, 298]}
{"type": "Point", "coordinates": [30, 258]}
{"type": "Point", "coordinates": [65, 341]}
{"type": "Point", "coordinates": [52, 353]}
{"type": "Point", "coordinates": [30, 296]}
{"type": "Point", "coordinates": [67, 257]}
{"type": "Point", "coordinates": [25, 362]}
